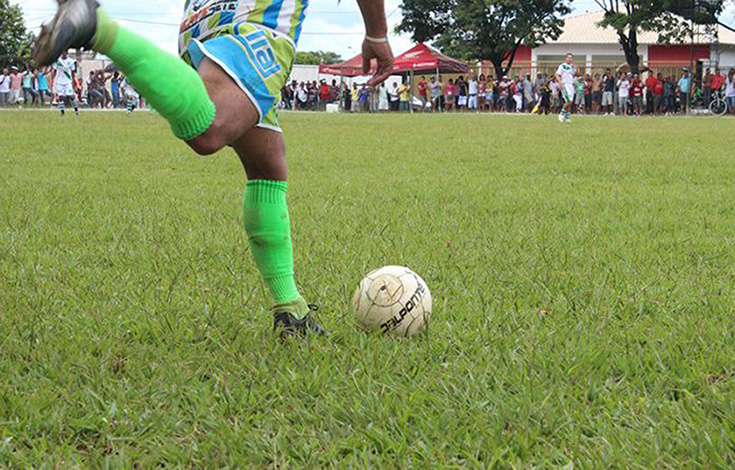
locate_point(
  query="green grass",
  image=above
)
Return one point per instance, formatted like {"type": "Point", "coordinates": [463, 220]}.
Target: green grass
{"type": "Point", "coordinates": [582, 278]}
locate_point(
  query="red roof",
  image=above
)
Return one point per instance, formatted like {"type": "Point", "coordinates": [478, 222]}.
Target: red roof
{"type": "Point", "coordinates": [422, 58]}
{"type": "Point", "coordinates": [349, 68]}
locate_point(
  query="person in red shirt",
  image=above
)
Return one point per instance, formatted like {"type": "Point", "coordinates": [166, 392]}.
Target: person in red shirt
{"type": "Point", "coordinates": [323, 95]}
{"type": "Point", "coordinates": [636, 94]}
{"type": "Point", "coordinates": [421, 88]}
{"type": "Point", "coordinates": [658, 94]}
{"type": "Point", "coordinates": [650, 85]}
{"type": "Point", "coordinates": [718, 81]}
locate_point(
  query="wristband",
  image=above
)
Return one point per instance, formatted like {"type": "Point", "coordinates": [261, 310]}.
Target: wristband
{"type": "Point", "coordinates": [376, 40]}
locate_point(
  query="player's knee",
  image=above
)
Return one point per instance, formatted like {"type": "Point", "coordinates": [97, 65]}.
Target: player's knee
{"type": "Point", "coordinates": [207, 144]}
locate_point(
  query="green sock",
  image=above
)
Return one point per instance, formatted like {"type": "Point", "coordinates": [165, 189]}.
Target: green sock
{"type": "Point", "coordinates": [168, 83]}
{"type": "Point", "coordinates": [268, 226]}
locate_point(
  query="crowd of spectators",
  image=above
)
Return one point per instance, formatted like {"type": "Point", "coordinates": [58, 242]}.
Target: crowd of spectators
{"type": "Point", "coordinates": [605, 93]}
{"type": "Point", "coordinates": [34, 87]}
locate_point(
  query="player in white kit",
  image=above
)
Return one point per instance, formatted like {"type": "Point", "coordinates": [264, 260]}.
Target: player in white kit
{"type": "Point", "coordinates": [565, 76]}
{"type": "Point", "coordinates": [66, 69]}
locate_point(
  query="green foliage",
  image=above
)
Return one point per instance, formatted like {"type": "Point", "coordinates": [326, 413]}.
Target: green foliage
{"type": "Point", "coordinates": [582, 276]}
{"type": "Point", "coordinates": [629, 17]}
{"type": "Point", "coordinates": [16, 44]}
{"type": "Point", "coordinates": [484, 29]}
{"type": "Point", "coordinates": [317, 58]}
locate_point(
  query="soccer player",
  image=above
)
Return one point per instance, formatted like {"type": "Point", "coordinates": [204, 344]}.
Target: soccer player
{"type": "Point", "coordinates": [237, 55]}
{"type": "Point", "coordinates": [66, 69]}
{"type": "Point", "coordinates": [565, 76]}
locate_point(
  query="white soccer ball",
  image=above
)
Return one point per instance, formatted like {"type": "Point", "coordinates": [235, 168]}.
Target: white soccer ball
{"type": "Point", "coordinates": [393, 300]}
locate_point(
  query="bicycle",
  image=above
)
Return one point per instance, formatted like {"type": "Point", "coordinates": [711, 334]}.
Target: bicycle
{"type": "Point", "coordinates": [718, 105]}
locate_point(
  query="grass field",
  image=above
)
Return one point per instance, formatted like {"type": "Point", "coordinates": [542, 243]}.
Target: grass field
{"type": "Point", "coordinates": [582, 278]}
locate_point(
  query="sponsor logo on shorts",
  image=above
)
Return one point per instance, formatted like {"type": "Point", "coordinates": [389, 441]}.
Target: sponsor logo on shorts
{"type": "Point", "coordinates": [261, 53]}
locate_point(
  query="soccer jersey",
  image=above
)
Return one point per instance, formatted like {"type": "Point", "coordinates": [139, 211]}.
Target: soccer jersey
{"type": "Point", "coordinates": [64, 70]}
{"type": "Point", "coordinates": [567, 73]}
{"type": "Point", "coordinates": [205, 19]}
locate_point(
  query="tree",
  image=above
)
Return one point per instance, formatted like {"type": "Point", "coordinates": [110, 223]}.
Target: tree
{"type": "Point", "coordinates": [490, 30]}
{"type": "Point", "coordinates": [665, 17]}
{"type": "Point", "coordinates": [317, 58]}
{"type": "Point", "coordinates": [16, 44]}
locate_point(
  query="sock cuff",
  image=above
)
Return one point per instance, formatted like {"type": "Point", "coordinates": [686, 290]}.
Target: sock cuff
{"type": "Point", "coordinates": [197, 123]}
{"type": "Point", "coordinates": [266, 191]}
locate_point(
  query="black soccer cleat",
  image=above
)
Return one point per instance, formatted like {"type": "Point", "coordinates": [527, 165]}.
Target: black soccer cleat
{"type": "Point", "coordinates": [286, 326]}
{"type": "Point", "coordinates": [73, 26]}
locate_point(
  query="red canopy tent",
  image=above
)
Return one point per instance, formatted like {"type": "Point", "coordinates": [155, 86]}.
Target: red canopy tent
{"type": "Point", "coordinates": [349, 68]}
{"type": "Point", "coordinates": [422, 58]}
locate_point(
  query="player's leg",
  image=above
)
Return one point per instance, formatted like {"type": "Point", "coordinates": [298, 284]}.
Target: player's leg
{"type": "Point", "coordinates": [268, 225]}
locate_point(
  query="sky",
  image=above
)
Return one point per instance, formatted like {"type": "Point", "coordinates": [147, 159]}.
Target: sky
{"type": "Point", "coordinates": [330, 25]}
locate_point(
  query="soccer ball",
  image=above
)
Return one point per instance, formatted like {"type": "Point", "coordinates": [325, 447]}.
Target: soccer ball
{"type": "Point", "coordinates": [394, 300]}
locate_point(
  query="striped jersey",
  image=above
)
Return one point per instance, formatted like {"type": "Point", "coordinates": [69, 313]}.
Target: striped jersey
{"type": "Point", "coordinates": [567, 73]}
{"type": "Point", "coordinates": [65, 69]}
{"type": "Point", "coordinates": [205, 19]}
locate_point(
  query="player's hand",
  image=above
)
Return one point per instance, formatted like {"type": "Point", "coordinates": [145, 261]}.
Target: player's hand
{"type": "Point", "coordinates": [383, 54]}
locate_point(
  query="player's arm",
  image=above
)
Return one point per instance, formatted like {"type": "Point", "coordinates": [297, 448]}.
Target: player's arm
{"type": "Point", "coordinates": [376, 44]}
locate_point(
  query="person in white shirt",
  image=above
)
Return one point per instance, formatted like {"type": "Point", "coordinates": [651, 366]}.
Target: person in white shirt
{"type": "Point", "coordinates": [623, 93]}
{"type": "Point", "coordinates": [4, 88]}
{"type": "Point", "coordinates": [472, 91]}
{"type": "Point", "coordinates": [730, 91]}
{"type": "Point", "coordinates": [66, 69]}
{"type": "Point", "coordinates": [565, 76]}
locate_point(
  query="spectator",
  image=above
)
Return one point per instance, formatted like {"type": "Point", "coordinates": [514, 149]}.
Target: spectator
{"type": "Point", "coordinates": [718, 81]}
{"type": "Point", "coordinates": [707, 86]}
{"type": "Point", "coordinates": [43, 87]}
{"type": "Point", "coordinates": [579, 85]}
{"type": "Point", "coordinates": [587, 94]}
{"type": "Point", "coordinates": [422, 89]}
{"type": "Point", "coordinates": [435, 91]}
{"type": "Point", "coordinates": [730, 91]}
{"type": "Point", "coordinates": [623, 93]}
{"type": "Point", "coordinates": [355, 98]}
{"type": "Point", "coordinates": [449, 95]}
{"type": "Point", "coordinates": [15, 85]}
{"type": "Point", "coordinates": [481, 92]}
{"type": "Point", "coordinates": [383, 101]}
{"type": "Point", "coordinates": [650, 86]}
{"type": "Point", "coordinates": [490, 94]}
{"type": "Point", "coordinates": [608, 93]}
{"type": "Point", "coordinates": [517, 89]}
{"type": "Point", "coordinates": [115, 89]}
{"type": "Point", "coordinates": [461, 92]}
{"type": "Point", "coordinates": [529, 97]}
{"type": "Point", "coordinates": [394, 96]}
{"type": "Point", "coordinates": [302, 96]}
{"type": "Point", "coordinates": [323, 95]}
{"type": "Point", "coordinates": [333, 92]}
{"type": "Point", "coordinates": [670, 95]}
{"type": "Point", "coordinates": [596, 94]}
{"type": "Point", "coordinates": [374, 99]}
{"type": "Point", "coordinates": [636, 93]}
{"type": "Point", "coordinates": [545, 99]}
{"type": "Point", "coordinates": [347, 97]}
{"type": "Point", "coordinates": [554, 96]}
{"type": "Point", "coordinates": [685, 86]}
{"type": "Point", "coordinates": [658, 94]}
{"type": "Point", "coordinates": [364, 98]}
{"type": "Point", "coordinates": [4, 88]}
{"type": "Point", "coordinates": [29, 96]}
{"type": "Point", "coordinates": [472, 91]}
{"type": "Point", "coordinates": [403, 92]}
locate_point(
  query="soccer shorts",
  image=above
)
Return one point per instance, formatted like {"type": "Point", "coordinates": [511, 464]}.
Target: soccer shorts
{"type": "Point", "coordinates": [567, 92]}
{"type": "Point", "coordinates": [64, 89]}
{"type": "Point", "coordinates": [258, 59]}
